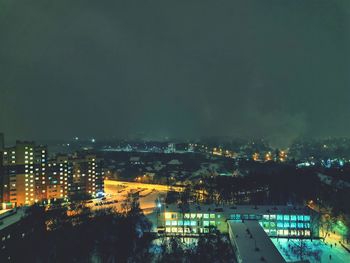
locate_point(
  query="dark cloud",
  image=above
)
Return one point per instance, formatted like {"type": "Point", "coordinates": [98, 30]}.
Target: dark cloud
{"type": "Point", "coordinates": [277, 69]}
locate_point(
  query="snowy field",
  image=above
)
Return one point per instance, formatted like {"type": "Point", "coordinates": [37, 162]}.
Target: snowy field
{"type": "Point", "coordinates": [315, 251]}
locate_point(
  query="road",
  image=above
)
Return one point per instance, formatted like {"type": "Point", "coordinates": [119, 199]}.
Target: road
{"type": "Point", "coordinates": [135, 185]}
{"type": "Point", "coordinates": [149, 194]}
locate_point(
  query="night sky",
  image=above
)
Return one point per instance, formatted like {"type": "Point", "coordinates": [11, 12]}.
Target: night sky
{"type": "Point", "coordinates": [275, 68]}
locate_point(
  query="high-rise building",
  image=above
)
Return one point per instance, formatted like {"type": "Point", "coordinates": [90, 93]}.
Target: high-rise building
{"type": "Point", "coordinates": [58, 170]}
{"type": "Point", "coordinates": [27, 176]}
{"type": "Point", "coordinates": [24, 173]}
{"type": "Point", "coordinates": [75, 177]}
{"type": "Point", "coordinates": [86, 177]}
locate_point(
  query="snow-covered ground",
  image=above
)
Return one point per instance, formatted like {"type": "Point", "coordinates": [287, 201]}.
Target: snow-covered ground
{"type": "Point", "coordinates": [315, 251]}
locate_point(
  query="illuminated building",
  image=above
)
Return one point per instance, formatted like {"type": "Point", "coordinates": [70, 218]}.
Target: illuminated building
{"type": "Point", "coordinates": [24, 173]}
{"type": "Point", "coordinates": [282, 156]}
{"type": "Point", "coordinates": [256, 156]}
{"type": "Point", "coordinates": [75, 176]}
{"type": "Point", "coordinates": [59, 170]}
{"type": "Point", "coordinates": [217, 151]}
{"type": "Point", "coordinates": [278, 221]}
{"type": "Point", "coordinates": [268, 156]}
{"type": "Point", "coordinates": [249, 227]}
{"type": "Point", "coordinates": [190, 221]}
{"type": "Point", "coordinates": [28, 177]}
{"type": "Point", "coordinates": [87, 176]}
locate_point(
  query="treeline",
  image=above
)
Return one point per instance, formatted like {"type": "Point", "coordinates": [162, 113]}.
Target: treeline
{"type": "Point", "coordinates": [263, 183]}
{"type": "Point", "coordinates": [211, 248]}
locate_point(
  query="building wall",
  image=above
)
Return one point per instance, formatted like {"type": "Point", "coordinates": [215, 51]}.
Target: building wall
{"type": "Point", "coordinates": [192, 223]}
{"type": "Point", "coordinates": [28, 177]}
{"type": "Point", "coordinates": [24, 173]}
{"type": "Point", "coordinates": [87, 176]}
{"type": "Point", "coordinates": [275, 224]}
{"type": "Point", "coordinates": [281, 225]}
{"type": "Point", "coordinates": [59, 172]}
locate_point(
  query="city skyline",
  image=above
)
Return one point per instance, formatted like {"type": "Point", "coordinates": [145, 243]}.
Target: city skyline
{"type": "Point", "coordinates": [174, 131]}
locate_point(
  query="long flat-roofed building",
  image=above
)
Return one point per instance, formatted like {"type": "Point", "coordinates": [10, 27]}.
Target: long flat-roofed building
{"type": "Point", "coordinates": [277, 221]}
{"type": "Point", "coordinates": [249, 227]}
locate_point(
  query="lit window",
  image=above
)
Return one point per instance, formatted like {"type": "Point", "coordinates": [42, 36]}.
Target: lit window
{"type": "Point", "coordinates": [167, 215]}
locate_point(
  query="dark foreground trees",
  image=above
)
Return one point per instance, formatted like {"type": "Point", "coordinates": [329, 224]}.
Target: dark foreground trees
{"type": "Point", "coordinates": [212, 248]}
{"type": "Point", "coordinates": [102, 236]}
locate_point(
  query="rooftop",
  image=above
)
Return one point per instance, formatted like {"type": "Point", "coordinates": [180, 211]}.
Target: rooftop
{"type": "Point", "coordinates": [252, 243]}
{"type": "Point", "coordinates": [11, 218]}
{"type": "Point", "coordinates": [240, 209]}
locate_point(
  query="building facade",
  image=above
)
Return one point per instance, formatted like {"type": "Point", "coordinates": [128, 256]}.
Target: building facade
{"type": "Point", "coordinates": [24, 173]}
{"type": "Point", "coordinates": [27, 176]}
{"type": "Point", "coordinates": [86, 177]}
{"type": "Point", "coordinates": [277, 221]}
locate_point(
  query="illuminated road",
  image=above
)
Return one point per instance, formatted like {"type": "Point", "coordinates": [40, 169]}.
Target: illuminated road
{"type": "Point", "coordinates": [149, 196]}
{"type": "Point", "coordinates": [135, 185]}
{"type": "Point", "coordinates": [148, 193]}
